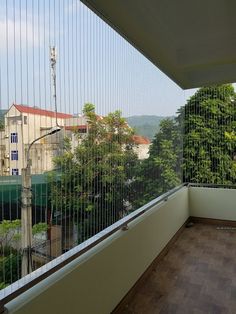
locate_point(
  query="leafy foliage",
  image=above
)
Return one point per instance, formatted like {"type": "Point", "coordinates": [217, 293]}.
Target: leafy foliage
{"type": "Point", "coordinates": [1, 124]}
{"type": "Point", "coordinates": [10, 260]}
{"type": "Point", "coordinates": [9, 235]}
{"type": "Point", "coordinates": [94, 174]}
{"type": "Point", "coordinates": [10, 267]}
{"type": "Point", "coordinates": [39, 228]}
{"type": "Point", "coordinates": [102, 177]}
{"type": "Point", "coordinates": [209, 124]}
{"type": "Point", "coordinates": [10, 255]}
{"type": "Point", "coordinates": [207, 127]}
{"type": "Point", "coordinates": [2, 112]}
{"type": "Point", "coordinates": [162, 170]}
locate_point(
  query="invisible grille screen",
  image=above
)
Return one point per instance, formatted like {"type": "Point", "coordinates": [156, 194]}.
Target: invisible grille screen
{"type": "Point", "coordinates": [90, 131]}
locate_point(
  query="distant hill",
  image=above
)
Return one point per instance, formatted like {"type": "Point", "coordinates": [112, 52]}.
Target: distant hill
{"type": "Point", "coordinates": [146, 125]}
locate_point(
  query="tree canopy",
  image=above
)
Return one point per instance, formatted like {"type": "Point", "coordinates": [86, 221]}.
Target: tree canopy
{"type": "Point", "coordinates": [162, 170]}
{"type": "Point", "coordinates": [208, 121]}
{"type": "Point", "coordinates": [199, 145]}
{"type": "Point", "coordinates": [96, 176]}
{"type": "Point", "coordinates": [102, 178]}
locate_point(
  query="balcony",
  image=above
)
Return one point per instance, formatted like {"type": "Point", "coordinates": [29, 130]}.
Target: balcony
{"type": "Point", "coordinates": [190, 278]}
{"type": "Point", "coordinates": [147, 262]}
{"type": "Point", "coordinates": [98, 251]}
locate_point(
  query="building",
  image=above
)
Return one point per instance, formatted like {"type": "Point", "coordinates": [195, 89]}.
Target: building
{"type": "Point", "coordinates": [148, 262]}
{"type": "Point", "coordinates": [23, 125]}
{"type": "Point", "coordinates": [142, 146]}
{"type": "Point", "coordinates": [74, 126]}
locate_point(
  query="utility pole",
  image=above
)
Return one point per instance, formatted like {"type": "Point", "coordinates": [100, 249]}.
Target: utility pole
{"type": "Point", "coordinates": [26, 209]}
{"type": "Point", "coordinates": [26, 193]}
{"type": "Point", "coordinates": [26, 221]}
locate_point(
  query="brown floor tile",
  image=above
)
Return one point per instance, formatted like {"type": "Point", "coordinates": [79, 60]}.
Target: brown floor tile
{"type": "Point", "coordinates": [198, 275]}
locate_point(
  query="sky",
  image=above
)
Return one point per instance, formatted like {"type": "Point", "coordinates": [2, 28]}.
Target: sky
{"type": "Point", "coordinates": [94, 63]}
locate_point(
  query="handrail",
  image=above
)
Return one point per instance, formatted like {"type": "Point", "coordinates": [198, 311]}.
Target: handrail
{"type": "Point", "coordinates": [212, 185]}
{"type": "Point", "coordinates": [27, 282]}
{"type": "Point", "coordinates": [30, 280]}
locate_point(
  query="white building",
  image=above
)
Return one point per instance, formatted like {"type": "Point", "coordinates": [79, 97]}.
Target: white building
{"type": "Point", "coordinates": [142, 146]}
{"type": "Point", "coordinates": [73, 127]}
{"type": "Point", "coordinates": [24, 124]}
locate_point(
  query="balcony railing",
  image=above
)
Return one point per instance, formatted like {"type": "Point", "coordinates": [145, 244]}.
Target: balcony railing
{"type": "Point", "coordinates": [88, 189]}
{"type": "Point", "coordinates": [111, 262]}
{"type": "Point", "coordinates": [43, 272]}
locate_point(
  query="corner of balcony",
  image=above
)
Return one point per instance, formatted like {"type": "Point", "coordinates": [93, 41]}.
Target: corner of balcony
{"type": "Point", "coordinates": [149, 262]}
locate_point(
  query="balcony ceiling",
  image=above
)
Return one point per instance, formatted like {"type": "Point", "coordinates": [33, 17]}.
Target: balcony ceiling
{"type": "Point", "coordinates": [193, 42]}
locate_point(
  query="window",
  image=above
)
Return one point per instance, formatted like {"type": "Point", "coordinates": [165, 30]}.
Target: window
{"type": "Point", "coordinates": [82, 130]}
{"type": "Point", "coordinates": [15, 172]}
{"type": "Point", "coordinates": [25, 119]}
{"type": "Point", "coordinates": [14, 155]}
{"type": "Point", "coordinates": [14, 137]}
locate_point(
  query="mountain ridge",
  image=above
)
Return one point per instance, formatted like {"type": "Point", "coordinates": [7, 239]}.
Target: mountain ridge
{"type": "Point", "coordinates": [146, 125]}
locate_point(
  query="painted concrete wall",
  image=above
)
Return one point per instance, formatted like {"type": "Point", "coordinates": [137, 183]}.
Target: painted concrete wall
{"type": "Point", "coordinates": [99, 279]}
{"type": "Point", "coordinates": [29, 127]}
{"type": "Point", "coordinates": [213, 203]}
{"type": "Point", "coordinates": [36, 125]}
{"type": "Point", "coordinates": [142, 150]}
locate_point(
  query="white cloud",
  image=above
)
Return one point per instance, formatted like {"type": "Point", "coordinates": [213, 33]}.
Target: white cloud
{"type": "Point", "coordinates": [16, 34]}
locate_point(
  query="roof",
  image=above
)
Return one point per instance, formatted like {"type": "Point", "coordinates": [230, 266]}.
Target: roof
{"type": "Point", "coordinates": [99, 117]}
{"type": "Point", "coordinates": [138, 139]}
{"type": "Point", "coordinates": [76, 127]}
{"type": "Point", "coordinates": [41, 112]}
{"type": "Point", "coordinates": [193, 42]}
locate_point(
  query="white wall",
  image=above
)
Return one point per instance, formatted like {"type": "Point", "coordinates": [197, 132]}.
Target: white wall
{"type": "Point", "coordinates": [13, 123]}
{"type": "Point", "coordinates": [142, 150]}
{"type": "Point", "coordinates": [98, 280]}
{"type": "Point", "coordinates": [213, 203]}
{"type": "Point", "coordinates": [41, 154]}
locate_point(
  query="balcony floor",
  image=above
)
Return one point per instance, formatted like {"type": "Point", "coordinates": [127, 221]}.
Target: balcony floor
{"type": "Point", "coordinates": [198, 275]}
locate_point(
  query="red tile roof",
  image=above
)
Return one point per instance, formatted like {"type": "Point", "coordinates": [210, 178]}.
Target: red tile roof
{"type": "Point", "coordinates": [99, 117]}
{"type": "Point", "coordinates": [76, 127]}
{"type": "Point", "coordinates": [138, 139]}
{"type": "Point", "coordinates": [42, 112]}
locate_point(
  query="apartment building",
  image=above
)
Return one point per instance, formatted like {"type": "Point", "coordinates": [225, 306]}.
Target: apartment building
{"type": "Point", "coordinates": [24, 124]}
{"type": "Point", "coordinates": [142, 145]}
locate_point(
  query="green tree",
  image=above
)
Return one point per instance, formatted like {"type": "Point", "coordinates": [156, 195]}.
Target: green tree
{"type": "Point", "coordinates": [10, 253]}
{"type": "Point", "coordinates": [96, 176]}
{"type": "Point", "coordinates": [1, 124]}
{"type": "Point", "coordinates": [9, 235]}
{"type": "Point", "coordinates": [209, 124]}
{"type": "Point", "coordinates": [162, 170]}
{"type": "Point", "coordinates": [88, 108]}
{"type": "Point", "coordinates": [200, 142]}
